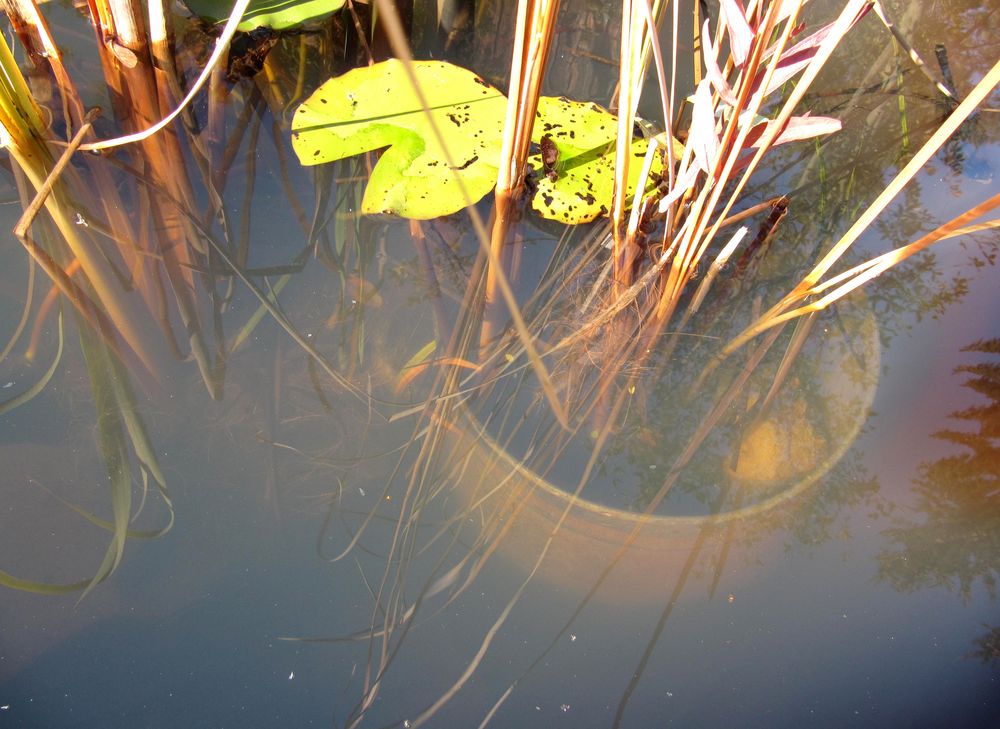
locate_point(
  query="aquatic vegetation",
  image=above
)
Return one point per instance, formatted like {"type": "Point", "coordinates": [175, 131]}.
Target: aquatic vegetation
{"type": "Point", "coordinates": [376, 107]}
{"type": "Point", "coordinates": [643, 351]}
{"type": "Point", "coordinates": [275, 14]}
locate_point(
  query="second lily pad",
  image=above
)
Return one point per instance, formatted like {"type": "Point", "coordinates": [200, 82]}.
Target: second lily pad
{"type": "Point", "coordinates": [584, 135]}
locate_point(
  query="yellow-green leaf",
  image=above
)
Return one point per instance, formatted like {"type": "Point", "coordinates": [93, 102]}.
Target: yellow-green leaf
{"type": "Point", "coordinates": [584, 135]}
{"type": "Point", "coordinates": [376, 107]}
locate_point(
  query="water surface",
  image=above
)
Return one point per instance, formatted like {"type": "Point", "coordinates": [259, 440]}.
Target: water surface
{"type": "Point", "coordinates": [868, 600]}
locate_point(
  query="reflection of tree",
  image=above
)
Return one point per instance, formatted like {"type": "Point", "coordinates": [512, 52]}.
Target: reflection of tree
{"type": "Point", "coordinates": [959, 539]}
{"type": "Point", "coordinates": [988, 646]}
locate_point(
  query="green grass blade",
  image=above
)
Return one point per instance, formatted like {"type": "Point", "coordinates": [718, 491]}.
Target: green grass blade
{"type": "Point", "coordinates": [114, 450]}
{"type": "Point", "coordinates": [7, 405]}
{"type": "Point", "coordinates": [41, 588]}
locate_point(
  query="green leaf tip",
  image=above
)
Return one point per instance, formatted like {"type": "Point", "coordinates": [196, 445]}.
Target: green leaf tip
{"type": "Point", "coordinates": [274, 14]}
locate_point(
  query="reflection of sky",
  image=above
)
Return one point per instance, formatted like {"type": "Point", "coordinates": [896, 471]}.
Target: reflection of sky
{"type": "Point", "coordinates": [920, 363]}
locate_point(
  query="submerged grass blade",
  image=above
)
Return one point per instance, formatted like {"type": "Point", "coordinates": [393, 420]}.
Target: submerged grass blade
{"type": "Point", "coordinates": [7, 405]}
{"type": "Point", "coordinates": [29, 296]}
{"type": "Point", "coordinates": [104, 523]}
{"type": "Point", "coordinates": [114, 450]}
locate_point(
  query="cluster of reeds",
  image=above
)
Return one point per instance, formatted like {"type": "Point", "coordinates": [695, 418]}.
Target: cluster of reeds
{"type": "Point", "coordinates": [669, 243]}
{"type": "Point", "coordinates": [661, 256]}
{"type": "Point", "coordinates": [750, 54]}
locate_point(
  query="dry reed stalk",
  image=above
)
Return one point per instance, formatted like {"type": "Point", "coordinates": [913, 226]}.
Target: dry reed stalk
{"type": "Point", "coordinates": [401, 48]}
{"type": "Point", "coordinates": [26, 15]}
{"type": "Point", "coordinates": [128, 68]}
{"type": "Point", "coordinates": [630, 76]}
{"type": "Point", "coordinates": [700, 235]}
{"type": "Point", "coordinates": [910, 50]}
{"type": "Point", "coordinates": [98, 280]}
{"type": "Point", "coordinates": [532, 41]}
{"type": "Point", "coordinates": [810, 283]}
{"type": "Point", "coordinates": [638, 41]}
{"type": "Point", "coordinates": [735, 135]}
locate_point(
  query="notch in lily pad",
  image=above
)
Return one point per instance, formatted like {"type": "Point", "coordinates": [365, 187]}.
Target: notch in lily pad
{"type": "Point", "coordinates": [274, 14]}
{"type": "Point", "coordinates": [375, 107]}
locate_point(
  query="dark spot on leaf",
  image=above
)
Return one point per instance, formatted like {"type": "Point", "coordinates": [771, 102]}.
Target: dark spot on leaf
{"type": "Point", "coordinates": [548, 199]}
{"type": "Point", "coordinates": [588, 198]}
{"type": "Point", "coordinates": [604, 210]}
{"type": "Point", "coordinates": [550, 153]}
{"type": "Point", "coordinates": [454, 120]}
{"type": "Point", "coordinates": [469, 162]}
{"type": "Point", "coordinates": [480, 81]}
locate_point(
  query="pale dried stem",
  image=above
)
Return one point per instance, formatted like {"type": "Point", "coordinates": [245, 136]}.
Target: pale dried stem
{"type": "Point", "coordinates": [910, 50]}
{"type": "Point", "coordinates": [780, 310]}
{"type": "Point", "coordinates": [532, 41]}
{"type": "Point", "coordinates": [51, 195]}
{"type": "Point", "coordinates": [629, 87]}
{"type": "Point", "coordinates": [694, 246]}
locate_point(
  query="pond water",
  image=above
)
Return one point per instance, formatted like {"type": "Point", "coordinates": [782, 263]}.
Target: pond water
{"type": "Point", "coordinates": [852, 583]}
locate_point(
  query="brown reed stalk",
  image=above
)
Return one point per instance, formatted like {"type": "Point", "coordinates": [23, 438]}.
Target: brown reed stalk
{"type": "Point", "coordinates": [532, 41]}
{"type": "Point", "coordinates": [63, 195]}
{"type": "Point", "coordinates": [126, 51]}
{"type": "Point", "coordinates": [810, 283]}
{"type": "Point", "coordinates": [401, 48]}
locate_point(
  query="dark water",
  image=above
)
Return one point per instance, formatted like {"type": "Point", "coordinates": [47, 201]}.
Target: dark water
{"type": "Point", "coordinates": [868, 600]}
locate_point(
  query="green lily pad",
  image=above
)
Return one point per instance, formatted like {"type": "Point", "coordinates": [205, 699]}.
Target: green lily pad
{"type": "Point", "coordinates": [579, 186]}
{"type": "Point", "coordinates": [276, 14]}
{"type": "Point", "coordinates": [375, 107]}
